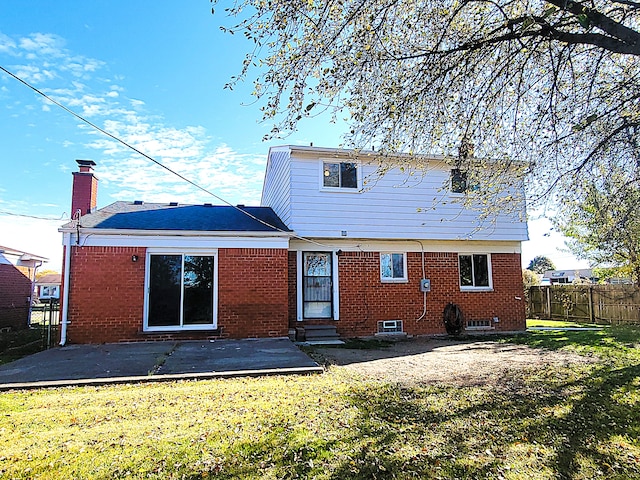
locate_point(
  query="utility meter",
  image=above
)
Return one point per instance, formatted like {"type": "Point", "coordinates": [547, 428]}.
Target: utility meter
{"type": "Point", "coordinates": [425, 285]}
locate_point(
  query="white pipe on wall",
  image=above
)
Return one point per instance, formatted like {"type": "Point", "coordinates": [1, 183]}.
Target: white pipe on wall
{"type": "Point", "coordinates": [65, 293]}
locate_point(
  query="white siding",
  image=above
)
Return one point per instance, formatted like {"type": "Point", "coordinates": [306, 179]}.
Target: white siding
{"type": "Point", "coordinates": [387, 208]}
{"type": "Point", "coordinates": [276, 191]}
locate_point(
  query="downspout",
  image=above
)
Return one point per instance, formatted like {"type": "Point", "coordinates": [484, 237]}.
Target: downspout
{"type": "Point", "coordinates": [65, 292]}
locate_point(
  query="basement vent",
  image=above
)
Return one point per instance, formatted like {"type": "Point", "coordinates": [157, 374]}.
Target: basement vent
{"type": "Point", "coordinates": [479, 324]}
{"type": "Point", "coordinates": [390, 326]}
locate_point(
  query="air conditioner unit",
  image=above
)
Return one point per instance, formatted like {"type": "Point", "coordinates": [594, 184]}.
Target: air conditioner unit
{"type": "Point", "coordinates": [390, 326]}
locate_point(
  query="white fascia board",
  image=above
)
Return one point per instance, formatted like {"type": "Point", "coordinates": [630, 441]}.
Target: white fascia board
{"type": "Point", "coordinates": [362, 155]}
{"type": "Point", "coordinates": [432, 246]}
{"type": "Point", "coordinates": [174, 233]}
{"type": "Point", "coordinates": [182, 241]}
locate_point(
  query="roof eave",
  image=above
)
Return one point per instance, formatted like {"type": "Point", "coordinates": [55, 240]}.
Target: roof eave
{"type": "Point", "coordinates": [174, 233]}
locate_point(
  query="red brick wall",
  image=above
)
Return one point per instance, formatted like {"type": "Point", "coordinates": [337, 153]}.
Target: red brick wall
{"type": "Point", "coordinates": [365, 300]}
{"type": "Point", "coordinates": [106, 298]}
{"type": "Point", "coordinates": [253, 292]}
{"type": "Point", "coordinates": [106, 295]}
{"type": "Point", "coordinates": [15, 291]}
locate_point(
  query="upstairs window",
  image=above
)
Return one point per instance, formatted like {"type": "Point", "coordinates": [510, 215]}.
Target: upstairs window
{"type": "Point", "coordinates": [393, 267]}
{"type": "Point", "coordinates": [458, 181]}
{"type": "Point", "coordinates": [475, 271]}
{"type": "Point", "coordinates": [339, 175]}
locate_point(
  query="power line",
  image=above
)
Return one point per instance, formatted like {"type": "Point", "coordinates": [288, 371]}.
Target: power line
{"type": "Point", "coordinates": [62, 217]}
{"type": "Point", "coordinates": [117, 139]}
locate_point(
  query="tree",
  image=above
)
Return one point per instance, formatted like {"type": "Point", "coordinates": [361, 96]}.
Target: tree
{"type": "Point", "coordinates": [42, 273]}
{"type": "Point", "coordinates": [552, 84]}
{"type": "Point", "coordinates": [529, 278]}
{"type": "Point", "coordinates": [603, 223]}
{"type": "Point", "coordinates": [541, 264]}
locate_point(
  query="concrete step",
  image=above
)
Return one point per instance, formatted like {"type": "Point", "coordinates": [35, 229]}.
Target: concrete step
{"type": "Point", "coordinates": [319, 335]}
{"type": "Point", "coordinates": [317, 332]}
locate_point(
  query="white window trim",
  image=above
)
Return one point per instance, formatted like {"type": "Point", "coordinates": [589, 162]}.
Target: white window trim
{"type": "Point", "coordinates": [358, 189]}
{"type": "Point", "coordinates": [405, 276]}
{"type": "Point", "coordinates": [334, 280]}
{"type": "Point", "coordinates": [178, 251]}
{"type": "Point", "coordinates": [468, 288]}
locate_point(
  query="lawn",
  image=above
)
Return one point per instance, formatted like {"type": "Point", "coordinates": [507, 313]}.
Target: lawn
{"type": "Point", "coordinates": [561, 324]}
{"type": "Point", "coordinates": [578, 422]}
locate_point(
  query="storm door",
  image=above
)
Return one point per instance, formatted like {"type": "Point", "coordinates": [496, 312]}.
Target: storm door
{"type": "Point", "coordinates": [317, 287]}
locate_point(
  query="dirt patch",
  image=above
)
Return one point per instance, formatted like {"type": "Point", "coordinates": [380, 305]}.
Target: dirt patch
{"type": "Point", "coordinates": [445, 361]}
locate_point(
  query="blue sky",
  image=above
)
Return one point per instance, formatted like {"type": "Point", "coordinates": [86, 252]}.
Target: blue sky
{"type": "Point", "coordinates": [151, 73]}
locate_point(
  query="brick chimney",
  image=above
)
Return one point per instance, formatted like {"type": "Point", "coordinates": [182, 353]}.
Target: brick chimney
{"type": "Point", "coordinates": [84, 196]}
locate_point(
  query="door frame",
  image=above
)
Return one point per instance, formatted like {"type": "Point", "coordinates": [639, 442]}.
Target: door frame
{"type": "Point", "coordinates": [334, 280]}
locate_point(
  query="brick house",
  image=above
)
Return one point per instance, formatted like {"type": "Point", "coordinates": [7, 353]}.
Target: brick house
{"type": "Point", "coordinates": [363, 249]}
{"type": "Point", "coordinates": [324, 249]}
{"type": "Point", "coordinates": [17, 274]}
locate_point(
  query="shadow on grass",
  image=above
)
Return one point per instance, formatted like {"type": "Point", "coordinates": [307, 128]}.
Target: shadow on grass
{"type": "Point", "coordinates": [20, 343]}
{"type": "Point", "coordinates": [561, 424]}
{"type": "Point", "coordinates": [577, 419]}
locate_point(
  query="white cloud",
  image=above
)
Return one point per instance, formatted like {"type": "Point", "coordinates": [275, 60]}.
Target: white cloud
{"type": "Point", "coordinates": [42, 44]}
{"type": "Point", "coordinates": [76, 82]}
{"type": "Point", "coordinates": [33, 74]}
{"type": "Point", "coordinates": [222, 171]}
{"type": "Point", "coordinates": [7, 44]}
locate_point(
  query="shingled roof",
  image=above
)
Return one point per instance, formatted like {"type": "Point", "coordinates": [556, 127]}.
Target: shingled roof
{"type": "Point", "coordinates": [167, 217]}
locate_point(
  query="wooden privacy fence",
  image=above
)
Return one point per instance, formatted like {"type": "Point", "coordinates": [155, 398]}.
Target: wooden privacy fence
{"type": "Point", "coordinates": [604, 304]}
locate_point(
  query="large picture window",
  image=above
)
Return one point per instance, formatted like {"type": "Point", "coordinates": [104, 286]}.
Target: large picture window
{"type": "Point", "coordinates": [181, 291]}
{"type": "Point", "coordinates": [339, 175]}
{"type": "Point", "coordinates": [475, 271]}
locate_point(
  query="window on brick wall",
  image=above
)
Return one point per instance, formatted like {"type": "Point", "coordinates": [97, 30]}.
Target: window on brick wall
{"type": "Point", "coordinates": [475, 271]}
{"type": "Point", "coordinates": [393, 267]}
{"type": "Point", "coordinates": [180, 292]}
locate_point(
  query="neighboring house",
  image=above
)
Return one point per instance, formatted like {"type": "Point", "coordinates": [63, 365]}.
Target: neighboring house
{"type": "Point", "coordinates": [17, 274]}
{"type": "Point", "coordinates": [578, 275]}
{"type": "Point", "coordinates": [328, 246]}
{"type": "Point", "coordinates": [48, 287]}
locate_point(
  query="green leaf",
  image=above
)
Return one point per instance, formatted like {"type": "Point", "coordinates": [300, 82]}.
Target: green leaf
{"type": "Point", "coordinates": [584, 21]}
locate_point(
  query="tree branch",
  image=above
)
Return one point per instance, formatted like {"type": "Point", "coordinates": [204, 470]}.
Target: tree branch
{"type": "Point", "coordinates": [608, 25]}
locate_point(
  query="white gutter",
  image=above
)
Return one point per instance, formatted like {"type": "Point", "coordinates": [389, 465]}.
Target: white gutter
{"type": "Point", "coordinates": [88, 231]}
{"type": "Point", "coordinates": [65, 292]}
